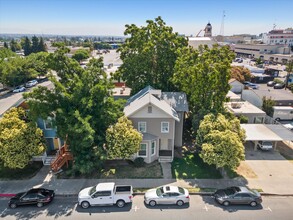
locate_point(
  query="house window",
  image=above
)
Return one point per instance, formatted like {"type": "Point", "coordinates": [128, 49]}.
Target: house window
{"type": "Point", "coordinates": [150, 109]}
{"type": "Point", "coordinates": [48, 123]}
{"type": "Point", "coordinates": [165, 127]}
{"type": "Point", "coordinates": [143, 150]}
{"type": "Point", "coordinates": [153, 148]}
{"type": "Point", "coordinates": [142, 127]}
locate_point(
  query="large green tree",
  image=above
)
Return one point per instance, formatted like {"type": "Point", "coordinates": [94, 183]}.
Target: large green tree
{"type": "Point", "coordinates": [122, 139]}
{"type": "Point", "coordinates": [83, 106]}
{"type": "Point", "coordinates": [203, 75]}
{"type": "Point", "coordinates": [27, 46]}
{"type": "Point", "coordinates": [220, 141]}
{"type": "Point", "coordinates": [267, 106]}
{"type": "Point", "coordinates": [80, 55]}
{"type": "Point", "coordinates": [149, 55]}
{"type": "Point", "coordinates": [19, 140]}
{"type": "Point", "coordinates": [289, 69]}
{"type": "Point", "coordinates": [35, 44]}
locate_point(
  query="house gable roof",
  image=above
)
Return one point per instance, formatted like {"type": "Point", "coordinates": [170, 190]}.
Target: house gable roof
{"type": "Point", "coordinates": [177, 100]}
{"type": "Point", "coordinates": [137, 104]}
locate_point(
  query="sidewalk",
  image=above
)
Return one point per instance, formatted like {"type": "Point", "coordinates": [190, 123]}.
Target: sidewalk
{"type": "Point", "coordinates": [67, 187]}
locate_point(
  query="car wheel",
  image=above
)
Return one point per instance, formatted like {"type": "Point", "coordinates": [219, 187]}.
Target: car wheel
{"type": "Point", "coordinates": [180, 203]}
{"type": "Point", "coordinates": [12, 205]}
{"type": "Point", "coordinates": [120, 203]}
{"type": "Point", "coordinates": [226, 203]}
{"type": "Point", "coordinates": [40, 204]}
{"type": "Point", "coordinates": [152, 203]}
{"type": "Point", "coordinates": [253, 204]}
{"type": "Point", "coordinates": [85, 205]}
{"type": "Point", "coordinates": [278, 119]}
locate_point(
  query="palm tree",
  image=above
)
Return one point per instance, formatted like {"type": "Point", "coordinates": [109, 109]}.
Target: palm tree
{"type": "Point", "coordinates": [289, 69]}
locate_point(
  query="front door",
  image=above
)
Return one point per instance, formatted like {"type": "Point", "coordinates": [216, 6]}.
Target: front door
{"type": "Point", "coordinates": [56, 143]}
{"type": "Point", "coordinates": [102, 198]}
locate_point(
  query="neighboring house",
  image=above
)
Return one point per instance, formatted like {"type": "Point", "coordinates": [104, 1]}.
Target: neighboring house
{"type": "Point", "coordinates": [233, 97]}
{"type": "Point", "coordinates": [159, 117]}
{"type": "Point", "coordinates": [236, 86]}
{"type": "Point", "coordinates": [50, 134]}
{"type": "Point", "coordinates": [281, 97]}
{"type": "Point", "coordinates": [254, 114]}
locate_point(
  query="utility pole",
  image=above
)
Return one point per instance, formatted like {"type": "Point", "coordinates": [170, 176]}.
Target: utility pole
{"type": "Point", "coordinates": [222, 25]}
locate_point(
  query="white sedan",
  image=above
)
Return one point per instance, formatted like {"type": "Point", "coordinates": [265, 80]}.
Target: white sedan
{"type": "Point", "coordinates": [167, 195]}
{"type": "Point", "coordinates": [31, 83]}
{"type": "Point", "coordinates": [19, 89]}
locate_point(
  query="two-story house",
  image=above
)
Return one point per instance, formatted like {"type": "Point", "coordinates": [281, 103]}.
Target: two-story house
{"type": "Point", "coordinates": [159, 117]}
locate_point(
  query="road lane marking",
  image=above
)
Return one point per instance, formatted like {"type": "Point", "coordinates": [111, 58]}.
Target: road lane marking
{"type": "Point", "coordinates": [136, 208]}
{"type": "Point", "coordinates": [206, 208]}
{"type": "Point", "coordinates": [268, 209]}
{"type": "Point", "coordinates": [3, 212]}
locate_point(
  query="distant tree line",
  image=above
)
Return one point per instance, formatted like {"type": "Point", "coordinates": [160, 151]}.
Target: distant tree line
{"type": "Point", "coordinates": [33, 46]}
{"type": "Point", "coordinates": [29, 46]}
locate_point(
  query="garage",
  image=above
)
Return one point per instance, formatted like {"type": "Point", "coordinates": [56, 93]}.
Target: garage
{"type": "Point", "coordinates": [267, 132]}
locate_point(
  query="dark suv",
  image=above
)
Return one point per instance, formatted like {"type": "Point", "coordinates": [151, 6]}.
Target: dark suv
{"type": "Point", "coordinates": [238, 195]}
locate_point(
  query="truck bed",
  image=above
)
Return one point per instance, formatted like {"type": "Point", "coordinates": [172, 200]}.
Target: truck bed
{"type": "Point", "coordinates": [123, 190]}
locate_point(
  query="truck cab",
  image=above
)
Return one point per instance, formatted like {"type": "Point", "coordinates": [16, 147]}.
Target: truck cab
{"type": "Point", "coordinates": [105, 194]}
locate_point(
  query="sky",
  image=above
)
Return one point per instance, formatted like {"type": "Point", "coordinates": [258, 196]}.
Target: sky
{"type": "Point", "coordinates": [109, 17]}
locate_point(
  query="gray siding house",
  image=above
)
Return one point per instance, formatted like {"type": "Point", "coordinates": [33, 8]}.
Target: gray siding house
{"type": "Point", "coordinates": [159, 117]}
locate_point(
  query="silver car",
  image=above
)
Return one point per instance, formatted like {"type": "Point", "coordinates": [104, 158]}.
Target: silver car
{"type": "Point", "coordinates": [167, 195]}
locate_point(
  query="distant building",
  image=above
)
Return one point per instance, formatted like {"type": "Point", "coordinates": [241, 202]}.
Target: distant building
{"type": "Point", "coordinates": [279, 37]}
{"type": "Point", "coordinates": [207, 39]}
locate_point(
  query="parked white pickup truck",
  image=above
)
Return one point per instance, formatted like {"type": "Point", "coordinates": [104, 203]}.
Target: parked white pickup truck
{"type": "Point", "coordinates": [105, 194]}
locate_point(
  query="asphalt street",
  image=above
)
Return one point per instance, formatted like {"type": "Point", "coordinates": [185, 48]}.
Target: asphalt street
{"type": "Point", "coordinates": [200, 207]}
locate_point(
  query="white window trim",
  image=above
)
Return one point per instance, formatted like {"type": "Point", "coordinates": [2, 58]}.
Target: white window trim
{"type": "Point", "coordinates": [155, 148]}
{"type": "Point", "coordinates": [146, 151]}
{"type": "Point", "coordinates": [45, 125]}
{"type": "Point", "coordinates": [142, 122]}
{"type": "Point", "coordinates": [162, 127]}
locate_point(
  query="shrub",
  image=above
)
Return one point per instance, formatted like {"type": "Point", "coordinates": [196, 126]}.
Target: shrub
{"type": "Point", "coordinates": [138, 162]}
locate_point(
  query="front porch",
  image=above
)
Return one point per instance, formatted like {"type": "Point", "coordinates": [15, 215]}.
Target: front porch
{"type": "Point", "coordinates": [165, 156]}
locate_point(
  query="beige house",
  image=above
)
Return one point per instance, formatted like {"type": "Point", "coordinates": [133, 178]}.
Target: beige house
{"type": "Point", "coordinates": [159, 117]}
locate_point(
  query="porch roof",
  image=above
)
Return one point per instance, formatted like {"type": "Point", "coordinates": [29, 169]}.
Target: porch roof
{"type": "Point", "coordinates": [148, 137]}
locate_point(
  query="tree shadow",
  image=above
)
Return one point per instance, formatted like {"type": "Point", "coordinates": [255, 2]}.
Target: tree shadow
{"type": "Point", "coordinates": [104, 209]}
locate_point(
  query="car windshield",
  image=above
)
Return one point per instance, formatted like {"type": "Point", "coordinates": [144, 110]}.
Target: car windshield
{"type": "Point", "coordinates": [231, 191]}
{"type": "Point", "coordinates": [92, 190]}
{"type": "Point", "coordinates": [160, 191]}
{"type": "Point", "coordinates": [181, 190]}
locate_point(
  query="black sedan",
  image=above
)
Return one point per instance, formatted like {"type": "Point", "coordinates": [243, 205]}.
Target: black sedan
{"type": "Point", "coordinates": [271, 83]}
{"type": "Point", "coordinates": [37, 196]}
{"type": "Point", "coordinates": [238, 195]}
{"type": "Point", "coordinates": [279, 86]}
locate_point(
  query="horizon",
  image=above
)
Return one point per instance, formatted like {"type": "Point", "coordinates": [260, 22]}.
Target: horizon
{"type": "Point", "coordinates": [109, 17]}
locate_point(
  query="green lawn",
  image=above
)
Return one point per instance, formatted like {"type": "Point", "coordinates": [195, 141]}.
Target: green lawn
{"type": "Point", "coordinates": [148, 171]}
{"type": "Point", "coordinates": [191, 166]}
{"type": "Point", "coordinates": [19, 174]}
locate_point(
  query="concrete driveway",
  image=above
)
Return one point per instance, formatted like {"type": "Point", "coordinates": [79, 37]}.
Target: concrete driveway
{"type": "Point", "coordinates": [268, 164]}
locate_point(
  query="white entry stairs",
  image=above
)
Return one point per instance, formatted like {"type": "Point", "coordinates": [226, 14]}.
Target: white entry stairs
{"type": "Point", "coordinates": [165, 159]}
{"type": "Point", "coordinates": [48, 160]}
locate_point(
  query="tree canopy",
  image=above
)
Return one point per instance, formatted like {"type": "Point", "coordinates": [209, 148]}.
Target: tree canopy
{"type": "Point", "coordinates": [149, 55]}
{"type": "Point", "coordinates": [241, 73]}
{"type": "Point", "coordinates": [17, 70]}
{"type": "Point", "coordinates": [220, 140]}
{"type": "Point", "coordinates": [203, 75]}
{"type": "Point", "coordinates": [122, 139]}
{"type": "Point", "coordinates": [83, 107]}
{"type": "Point", "coordinates": [81, 54]}
{"type": "Point", "coordinates": [19, 140]}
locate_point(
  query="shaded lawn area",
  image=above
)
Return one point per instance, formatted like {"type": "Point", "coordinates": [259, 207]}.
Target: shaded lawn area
{"type": "Point", "coordinates": [148, 171]}
{"type": "Point", "coordinates": [129, 171]}
{"type": "Point", "coordinates": [19, 174]}
{"type": "Point", "coordinates": [191, 166]}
